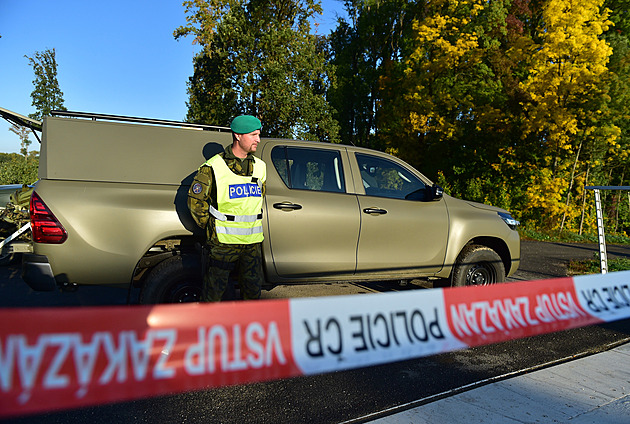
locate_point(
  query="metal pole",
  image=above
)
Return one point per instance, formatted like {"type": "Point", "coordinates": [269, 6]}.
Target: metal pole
{"type": "Point", "coordinates": [14, 235]}
{"type": "Point", "coordinates": [603, 258]}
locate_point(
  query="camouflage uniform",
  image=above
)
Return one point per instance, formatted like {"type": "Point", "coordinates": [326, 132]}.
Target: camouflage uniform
{"type": "Point", "coordinates": [246, 259]}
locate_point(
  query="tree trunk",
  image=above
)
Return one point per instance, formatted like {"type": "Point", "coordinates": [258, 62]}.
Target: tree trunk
{"type": "Point", "coordinates": [584, 200]}
{"type": "Point", "coordinates": [577, 156]}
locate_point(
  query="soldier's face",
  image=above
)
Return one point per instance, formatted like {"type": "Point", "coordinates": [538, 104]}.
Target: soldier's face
{"type": "Point", "coordinates": [248, 143]}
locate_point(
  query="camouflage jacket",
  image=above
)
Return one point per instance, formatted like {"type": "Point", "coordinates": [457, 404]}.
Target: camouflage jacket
{"type": "Point", "coordinates": [198, 202]}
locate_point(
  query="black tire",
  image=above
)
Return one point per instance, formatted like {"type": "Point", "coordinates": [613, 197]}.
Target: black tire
{"type": "Point", "coordinates": [477, 265]}
{"type": "Point", "coordinates": [175, 280]}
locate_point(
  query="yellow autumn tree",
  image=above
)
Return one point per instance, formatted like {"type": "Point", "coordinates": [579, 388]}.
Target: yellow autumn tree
{"type": "Point", "coordinates": [423, 97]}
{"type": "Point", "coordinates": [445, 42]}
{"type": "Point", "coordinates": [565, 89]}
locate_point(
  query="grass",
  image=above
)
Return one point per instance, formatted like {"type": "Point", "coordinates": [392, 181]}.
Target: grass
{"type": "Point", "coordinates": [570, 236]}
{"type": "Point", "coordinates": [591, 266]}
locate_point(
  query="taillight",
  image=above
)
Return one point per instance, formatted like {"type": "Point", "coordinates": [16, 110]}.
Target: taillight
{"type": "Point", "coordinates": [44, 226]}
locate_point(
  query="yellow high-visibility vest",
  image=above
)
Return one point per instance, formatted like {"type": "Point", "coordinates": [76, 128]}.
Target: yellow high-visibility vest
{"type": "Point", "coordinates": [238, 216]}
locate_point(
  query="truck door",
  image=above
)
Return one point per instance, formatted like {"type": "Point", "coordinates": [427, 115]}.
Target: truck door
{"type": "Point", "coordinates": [399, 231]}
{"type": "Point", "coordinates": [313, 221]}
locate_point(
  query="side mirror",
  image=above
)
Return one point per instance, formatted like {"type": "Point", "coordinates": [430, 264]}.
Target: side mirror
{"type": "Point", "coordinates": [426, 194]}
{"type": "Point", "coordinates": [436, 192]}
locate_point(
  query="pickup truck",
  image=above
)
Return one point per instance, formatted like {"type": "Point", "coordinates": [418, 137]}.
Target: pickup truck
{"type": "Point", "coordinates": [110, 209]}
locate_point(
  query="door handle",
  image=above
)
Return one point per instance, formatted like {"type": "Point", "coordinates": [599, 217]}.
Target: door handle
{"type": "Point", "coordinates": [375, 211]}
{"type": "Point", "coordinates": [287, 206]}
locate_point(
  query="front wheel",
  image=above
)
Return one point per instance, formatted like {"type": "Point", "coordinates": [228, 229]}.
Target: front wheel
{"type": "Point", "coordinates": [477, 266]}
{"type": "Point", "coordinates": [175, 280]}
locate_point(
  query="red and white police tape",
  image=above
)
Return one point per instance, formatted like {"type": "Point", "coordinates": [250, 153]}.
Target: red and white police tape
{"type": "Point", "coordinates": [59, 358]}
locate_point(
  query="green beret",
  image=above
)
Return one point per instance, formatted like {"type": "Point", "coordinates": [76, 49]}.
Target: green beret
{"type": "Point", "coordinates": [245, 124]}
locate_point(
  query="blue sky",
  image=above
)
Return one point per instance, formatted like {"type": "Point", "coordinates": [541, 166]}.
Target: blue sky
{"type": "Point", "coordinates": [114, 57]}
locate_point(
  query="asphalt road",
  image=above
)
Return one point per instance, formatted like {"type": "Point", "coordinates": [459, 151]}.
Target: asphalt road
{"type": "Point", "coordinates": [542, 260]}
{"type": "Point", "coordinates": [350, 395]}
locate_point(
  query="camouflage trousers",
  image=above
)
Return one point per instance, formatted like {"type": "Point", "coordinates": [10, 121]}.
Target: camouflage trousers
{"type": "Point", "coordinates": [244, 259]}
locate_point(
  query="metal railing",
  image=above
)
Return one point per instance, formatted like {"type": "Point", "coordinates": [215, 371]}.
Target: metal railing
{"type": "Point", "coordinates": [120, 118]}
{"type": "Point", "coordinates": [603, 257]}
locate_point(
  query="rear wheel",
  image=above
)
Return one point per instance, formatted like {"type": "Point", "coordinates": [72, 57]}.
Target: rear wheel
{"type": "Point", "coordinates": [175, 280]}
{"type": "Point", "coordinates": [477, 266]}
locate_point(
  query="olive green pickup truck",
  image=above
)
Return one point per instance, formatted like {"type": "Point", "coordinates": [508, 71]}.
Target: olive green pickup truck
{"type": "Point", "coordinates": [110, 209]}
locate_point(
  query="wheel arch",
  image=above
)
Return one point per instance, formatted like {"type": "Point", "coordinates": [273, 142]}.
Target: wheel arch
{"type": "Point", "coordinates": [496, 244]}
{"type": "Point", "coordinates": [177, 279]}
{"type": "Point", "coordinates": [162, 250]}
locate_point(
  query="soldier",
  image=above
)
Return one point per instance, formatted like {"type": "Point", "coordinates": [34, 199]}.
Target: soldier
{"type": "Point", "coordinates": [226, 199]}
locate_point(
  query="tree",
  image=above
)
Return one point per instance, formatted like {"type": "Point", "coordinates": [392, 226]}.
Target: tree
{"type": "Point", "coordinates": [363, 50]}
{"type": "Point", "coordinates": [567, 101]}
{"type": "Point", "coordinates": [22, 132]}
{"type": "Point", "coordinates": [614, 169]}
{"type": "Point", "coordinates": [47, 95]}
{"type": "Point", "coordinates": [447, 101]}
{"type": "Point", "coordinates": [259, 58]}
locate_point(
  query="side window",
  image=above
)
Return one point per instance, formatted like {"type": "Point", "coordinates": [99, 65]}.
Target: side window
{"type": "Point", "coordinates": [385, 178]}
{"type": "Point", "coordinates": [279, 159]}
{"type": "Point", "coordinates": [309, 169]}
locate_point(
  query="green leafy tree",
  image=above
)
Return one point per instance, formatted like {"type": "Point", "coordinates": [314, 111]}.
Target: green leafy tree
{"type": "Point", "coordinates": [23, 133]}
{"type": "Point", "coordinates": [363, 49]}
{"type": "Point", "coordinates": [613, 167]}
{"type": "Point", "coordinates": [259, 58]}
{"type": "Point", "coordinates": [46, 95]}
{"type": "Point", "coordinates": [447, 103]}
{"type": "Point", "coordinates": [439, 76]}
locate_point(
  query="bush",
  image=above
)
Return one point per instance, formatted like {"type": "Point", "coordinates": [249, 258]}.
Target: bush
{"type": "Point", "coordinates": [19, 170]}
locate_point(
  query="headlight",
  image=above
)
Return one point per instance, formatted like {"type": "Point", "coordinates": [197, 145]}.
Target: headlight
{"type": "Point", "coordinates": [507, 218]}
